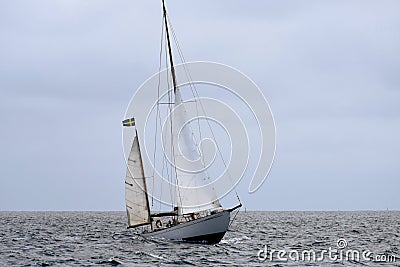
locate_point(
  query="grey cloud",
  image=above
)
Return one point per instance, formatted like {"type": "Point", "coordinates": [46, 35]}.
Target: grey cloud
{"type": "Point", "coordinates": [329, 70]}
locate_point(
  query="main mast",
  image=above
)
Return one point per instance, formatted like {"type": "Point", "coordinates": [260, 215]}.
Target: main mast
{"type": "Point", "coordinates": [171, 60]}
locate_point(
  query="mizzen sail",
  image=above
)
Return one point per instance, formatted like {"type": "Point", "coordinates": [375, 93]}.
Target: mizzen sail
{"type": "Point", "coordinates": [136, 200]}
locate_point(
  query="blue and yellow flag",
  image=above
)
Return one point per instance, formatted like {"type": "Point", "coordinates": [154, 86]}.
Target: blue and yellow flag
{"type": "Point", "coordinates": [129, 122]}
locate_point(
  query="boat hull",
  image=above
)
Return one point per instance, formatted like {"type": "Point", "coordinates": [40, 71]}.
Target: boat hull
{"type": "Point", "coordinates": [210, 230]}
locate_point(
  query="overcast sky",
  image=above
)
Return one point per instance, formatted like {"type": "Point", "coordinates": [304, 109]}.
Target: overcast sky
{"type": "Point", "coordinates": [329, 69]}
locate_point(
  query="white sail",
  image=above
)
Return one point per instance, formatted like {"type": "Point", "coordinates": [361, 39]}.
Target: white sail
{"type": "Point", "coordinates": [137, 203]}
{"type": "Point", "coordinates": [193, 192]}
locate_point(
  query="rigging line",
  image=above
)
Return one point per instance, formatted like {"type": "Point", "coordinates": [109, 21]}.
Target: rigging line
{"type": "Point", "coordinates": [191, 85]}
{"type": "Point", "coordinates": [173, 167]}
{"type": "Point", "coordinates": [165, 168]}
{"type": "Point", "coordinates": [170, 182]}
{"type": "Point", "coordinates": [164, 164]}
{"type": "Point", "coordinates": [180, 53]}
{"type": "Point", "coordinates": [209, 125]}
{"type": "Point", "coordinates": [158, 110]}
{"type": "Point", "coordinates": [195, 92]}
{"type": "Point", "coordinates": [234, 217]}
{"type": "Point", "coordinates": [174, 161]}
{"type": "Point", "coordinates": [164, 158]}
{"type": "Point", "coordinates": [197, 99]}
{"type": "Point", "coordinates": [219, 150]}
{"type": "Point", "coordinates": [175, 88]}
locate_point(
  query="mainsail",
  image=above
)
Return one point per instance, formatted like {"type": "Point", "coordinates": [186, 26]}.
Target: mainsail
{"type": "Point", "coordinates": [137, 203]}
{"type": "Point", "coordinates": [194, 193]}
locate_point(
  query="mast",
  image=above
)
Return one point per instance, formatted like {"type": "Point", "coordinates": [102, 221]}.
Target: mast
{"type": "Point", "coordinates": [203, 197]}
{"type": "Point", "coordinates": [144, 182]}
{"type": "Point", "coordinates": [171, 60]}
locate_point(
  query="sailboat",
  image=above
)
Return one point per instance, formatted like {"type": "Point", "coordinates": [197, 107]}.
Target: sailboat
{"type": "Point", "coordinates": [197, 216]}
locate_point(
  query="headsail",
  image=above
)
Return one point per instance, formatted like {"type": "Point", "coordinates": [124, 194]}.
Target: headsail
{"type": "Point", "coordinates": [137, 203]}
{"type": "Point", "coordinates": [194, 191]}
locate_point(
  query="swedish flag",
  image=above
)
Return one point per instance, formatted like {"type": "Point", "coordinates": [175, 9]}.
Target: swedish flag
{"type": "Point", "coordinates": [129, 122]}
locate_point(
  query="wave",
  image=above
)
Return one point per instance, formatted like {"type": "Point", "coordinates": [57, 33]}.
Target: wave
{"type": "Point", "coordinates": [235, 240]}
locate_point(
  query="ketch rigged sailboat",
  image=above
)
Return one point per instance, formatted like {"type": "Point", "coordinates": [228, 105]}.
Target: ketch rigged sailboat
{"type": "Point", "coordinates": [205, 223]}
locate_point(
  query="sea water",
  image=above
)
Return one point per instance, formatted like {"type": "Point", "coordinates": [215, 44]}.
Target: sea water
{"type": "Point", "coordinates": [254, 239]}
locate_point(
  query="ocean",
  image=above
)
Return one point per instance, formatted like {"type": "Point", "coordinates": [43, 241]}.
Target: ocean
{"type": "Point", "coordinates": [254, 239]}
